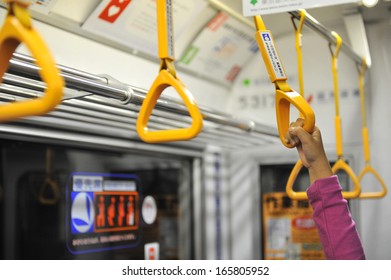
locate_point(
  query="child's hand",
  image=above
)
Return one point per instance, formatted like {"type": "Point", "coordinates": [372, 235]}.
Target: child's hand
{"type": "Point", "coordinates": [310, 148]}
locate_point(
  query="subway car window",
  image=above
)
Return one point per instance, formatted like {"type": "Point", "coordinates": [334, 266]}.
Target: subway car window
{"type": "Point", "coordinates": [65, 203]}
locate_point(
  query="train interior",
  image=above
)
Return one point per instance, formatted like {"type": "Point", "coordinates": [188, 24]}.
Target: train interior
{"type": "Point", "coordinates": [81, 182]}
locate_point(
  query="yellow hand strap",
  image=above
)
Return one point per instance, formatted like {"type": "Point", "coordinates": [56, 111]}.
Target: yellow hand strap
{"type": "Point", "coordinates": [49, 184]}
{"type": "Point", "coordinates": [285, 96]}
{"type": "Point", "coordinates": [291, 181]}
{"type": "Point", "coordinates": [298, 46]}
{"type": "Point", "coordinates": [167, 77]}
{"type": "Point", "coordinates": [340, 164]}
{"type": "Point", "coordinates": [334, 66]}
{"type": "Point", "coordinates": [365, 135]}
{"type": "Point", "coordinates": [299, 165]}
{"type": "Point", "coordinates": [17, 29]}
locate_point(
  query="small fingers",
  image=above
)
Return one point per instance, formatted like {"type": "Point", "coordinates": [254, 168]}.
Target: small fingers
{"type": "Point", "coordinates": [291, 137]}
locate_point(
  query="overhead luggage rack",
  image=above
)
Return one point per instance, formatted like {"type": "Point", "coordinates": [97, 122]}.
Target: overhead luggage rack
{"type": "Point", "coordinates": [100, 106]}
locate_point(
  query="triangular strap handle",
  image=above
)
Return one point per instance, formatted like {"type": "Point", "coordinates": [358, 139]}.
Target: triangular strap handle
{"type": "Point", "coordinates": [12, 34]}
{"type": "Point", "coordinates": [291, 180]}
{"type": "Point", "coordinates": [52, 185]}
{"type": "Point", "coordinates": [369, 169]}
{"type": "Point", "coordinates": [283, 102]}
{"type": "Point", "coordinates": [340, 164]}
{"type": "Point", "coordinates": [162, 81]}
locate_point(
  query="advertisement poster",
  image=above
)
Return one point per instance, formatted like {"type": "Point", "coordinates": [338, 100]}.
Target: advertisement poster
{"type": "Point", "coordinates": [43, 6]}
{"type": "Point", "coordinates": [288, 229]}
{"type": "Point", "coordinates": [221, 49]}
{"type": "Point", "coordinates": [132, 23]}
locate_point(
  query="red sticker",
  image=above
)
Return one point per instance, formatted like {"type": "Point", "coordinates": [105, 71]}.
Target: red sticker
{"type": "Point", "coordinates": [113, 10]}
{"type": "Point", "coordinates": [217, 21]}
{"type": "Point", "coordinates": [231, 75]}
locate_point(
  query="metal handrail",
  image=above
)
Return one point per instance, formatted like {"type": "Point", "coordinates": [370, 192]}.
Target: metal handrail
{"type": "Point", "coordinates": [23, 65]}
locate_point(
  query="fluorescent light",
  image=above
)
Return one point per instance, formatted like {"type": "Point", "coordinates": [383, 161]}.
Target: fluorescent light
{"type": "Point", "coordinates": [370, 3]}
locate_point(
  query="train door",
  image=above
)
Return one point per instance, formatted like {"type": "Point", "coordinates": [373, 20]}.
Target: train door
{"type": "Point", "coordinates": [79, 203]}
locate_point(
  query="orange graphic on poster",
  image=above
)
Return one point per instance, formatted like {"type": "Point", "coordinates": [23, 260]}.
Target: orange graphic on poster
{"type": "Point", "coordinates": [101, 217]}
{"type": "Point", "coordinates": [130, 215]}
{"type": "Point", "coordinates": [116, 211]}
{"type": "Point", "coordinates": [121, 211]}
{"type": "Point", "coordinates": [111, 212]}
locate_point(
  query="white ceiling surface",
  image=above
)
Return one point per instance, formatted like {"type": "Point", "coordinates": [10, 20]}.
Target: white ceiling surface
{"type": "Point", "coordinates": [72, 14]}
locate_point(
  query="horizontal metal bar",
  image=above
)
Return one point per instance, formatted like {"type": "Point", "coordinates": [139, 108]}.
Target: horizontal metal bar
{"type": "Point", "coordinates": [30, 70]}
{"type": "Point", "coordinates": [93, 118]}
{"type": "Point", "coordinates": [315, 25]}
{"type": "Point", "coordinates": [64, 69]}
{"type": "Point", "coordinates": [78, 80]}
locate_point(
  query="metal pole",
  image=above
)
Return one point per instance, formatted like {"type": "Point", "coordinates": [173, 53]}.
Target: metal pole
{"type": "Point", "coordinates": [82, 81]}
{"type": "Point", "coordinates": [326, 33]}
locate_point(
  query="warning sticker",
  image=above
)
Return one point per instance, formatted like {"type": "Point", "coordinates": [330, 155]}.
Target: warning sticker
{"type": "Point", "coordinates": [258, 7]}
{"type": "Point", "coordinates": [270, 56]}
{"type": "Point", "coordinates": [102, 212]}
{"type": "Point", "coordinates": [170, 36]}
{"type": "Point", "coordinates": [113, 10]}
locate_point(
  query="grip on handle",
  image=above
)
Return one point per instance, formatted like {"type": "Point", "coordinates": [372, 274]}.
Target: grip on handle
{"type": "Point", "coordinates": [283, 102]}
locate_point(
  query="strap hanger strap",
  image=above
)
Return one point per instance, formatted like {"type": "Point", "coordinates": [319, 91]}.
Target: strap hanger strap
{"type": "Point", "coordinates": [337, 120]}
{"type": "Point", "coordinates": [167, 77]}
{"type": "Point", "coordinates": [285, 96]}
{"type": "Point", "coordinates": [368, 169]}
{"type": "Point", "coordinates": [299, 164]}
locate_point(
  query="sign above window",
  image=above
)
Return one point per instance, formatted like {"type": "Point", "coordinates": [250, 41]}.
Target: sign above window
{"type": "Point", "coordinates": [263, 7]}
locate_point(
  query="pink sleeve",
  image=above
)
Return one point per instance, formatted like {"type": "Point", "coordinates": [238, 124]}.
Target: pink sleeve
{"type": "Point", "coordinates": [336, 228]}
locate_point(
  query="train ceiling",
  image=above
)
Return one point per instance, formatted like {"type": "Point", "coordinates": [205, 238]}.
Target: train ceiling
{"type": "Point", "coordinates": [130, 25]}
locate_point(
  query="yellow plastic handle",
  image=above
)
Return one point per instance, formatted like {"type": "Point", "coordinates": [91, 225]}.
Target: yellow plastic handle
{"type": "Point", "coordinates": [340, 164]}
{"type": "Point", "coordinates": [164, 80]}
{"type": "Point", "coordinates": [367, 156]}
{"type": "Point", "coordinates": [285, 96]}
{"type": "Point", "coordinates": [299, 165]}
{"type": "Point", "coordinates": [12, 34]}
{"type": "Point", "coordinates": [283, 103]}
{"type": "Point", "coordinates": [291, 180]}
{"type": "Point", "coordinates": [369, 169]}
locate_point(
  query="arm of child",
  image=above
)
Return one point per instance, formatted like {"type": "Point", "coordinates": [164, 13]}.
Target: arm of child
{"type": "Point", "coordinates": [336, 227]}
